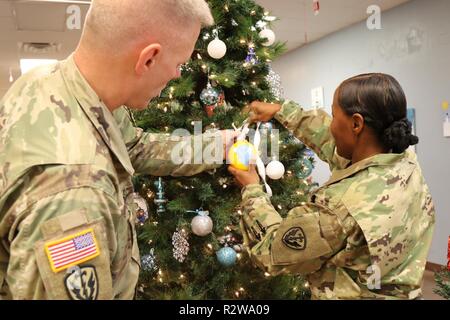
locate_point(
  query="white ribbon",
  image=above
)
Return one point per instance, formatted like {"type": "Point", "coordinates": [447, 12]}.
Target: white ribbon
{"type": "Point", "coordinates": [257, 141]}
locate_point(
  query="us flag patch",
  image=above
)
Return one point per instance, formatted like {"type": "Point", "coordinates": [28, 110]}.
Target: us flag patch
{"type": "Point", "coordinates": [72, 250]}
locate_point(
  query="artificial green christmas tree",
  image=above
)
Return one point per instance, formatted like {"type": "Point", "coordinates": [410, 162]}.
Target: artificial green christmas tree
{"type": "Point", "coordinates": [191, 245]}
{"type": "Point", "coordinates": [443, 283]}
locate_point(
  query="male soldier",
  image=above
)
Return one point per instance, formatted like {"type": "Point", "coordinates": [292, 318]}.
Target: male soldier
{"type": "Point", "coordinates": [69, 150]}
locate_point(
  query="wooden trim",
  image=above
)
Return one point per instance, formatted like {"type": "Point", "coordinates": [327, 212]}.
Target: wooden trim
{"type": "Point", "coordinates": [434, 267]}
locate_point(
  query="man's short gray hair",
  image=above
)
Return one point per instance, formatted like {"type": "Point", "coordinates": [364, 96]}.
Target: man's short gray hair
{"type": "Point", "coordinates": [114, 23]}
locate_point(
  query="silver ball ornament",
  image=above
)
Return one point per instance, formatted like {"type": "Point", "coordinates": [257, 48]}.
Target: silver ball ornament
{"type": "Point", "coordinates": [202, 224]}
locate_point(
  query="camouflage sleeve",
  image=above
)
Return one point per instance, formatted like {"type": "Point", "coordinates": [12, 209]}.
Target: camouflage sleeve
{"type": "Point", "coordinates": [158, 154]}
{"type": "Point", "coordinates": [313, 129]}
{"type": "Point", "coordinates": [68, 243]}
{"type": "Point", "coordinates": [298, 244]}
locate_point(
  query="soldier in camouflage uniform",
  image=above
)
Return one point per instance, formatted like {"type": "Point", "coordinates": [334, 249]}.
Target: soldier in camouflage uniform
{"type": "Point", "coordinates": [68, 152]}
{"type": "Point", "coordinates": [366, 233]}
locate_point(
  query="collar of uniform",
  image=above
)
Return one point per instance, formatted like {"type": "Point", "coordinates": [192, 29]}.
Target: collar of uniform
{"type": "Point", "coordinates": [383, 159]}
{"type": "Point", "coordinates": [97, 112]}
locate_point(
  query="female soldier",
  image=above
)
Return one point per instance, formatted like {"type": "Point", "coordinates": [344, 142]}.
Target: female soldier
{"type": "Point", "coordinates": [366, 233]}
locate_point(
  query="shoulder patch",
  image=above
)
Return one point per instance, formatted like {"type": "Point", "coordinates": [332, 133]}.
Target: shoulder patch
{"type": "Point", "coordinates": [295, 238]}
{"type": "Point", "coordinates": [82, 283]}
{"type": "Point", "coordinates": [72, 250]}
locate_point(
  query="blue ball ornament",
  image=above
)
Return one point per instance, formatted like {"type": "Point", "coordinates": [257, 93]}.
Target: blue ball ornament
{"type": "Point", "coordinates": [226, 256]}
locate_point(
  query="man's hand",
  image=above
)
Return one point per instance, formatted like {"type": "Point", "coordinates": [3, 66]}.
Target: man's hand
{"type": "Point", "coordinates": [261, 111]}
{"type": "Point", "coordinates": [245, 178]}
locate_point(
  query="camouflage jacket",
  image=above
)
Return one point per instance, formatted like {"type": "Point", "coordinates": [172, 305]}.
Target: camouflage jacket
{"type": "Point", "coordinates": [66, 164]}
{"type": "Point", "coordinates": [365, 234]}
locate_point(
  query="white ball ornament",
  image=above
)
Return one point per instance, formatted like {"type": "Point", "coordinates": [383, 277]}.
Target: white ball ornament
{"type": "Point", "coordinates": [202, 224]}
{"type": "Point", "coordinates": [217, 49]}
{"type": "Point", "coordinates": [269, 35]}
{"type": "Point", "coordinates": [275, 170]}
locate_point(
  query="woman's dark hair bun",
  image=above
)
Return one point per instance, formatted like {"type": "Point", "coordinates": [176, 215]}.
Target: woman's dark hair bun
{"type": "Point", "coordinates": [398, 136]}
{"type": "Point", "coordinates": [380, 99]}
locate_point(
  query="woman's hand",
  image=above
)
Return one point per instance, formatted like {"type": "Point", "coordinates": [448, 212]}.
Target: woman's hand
{"type": "Point", "coordinates": [261, 111]}
{"type": "Point", "coordinates": [245, 178]}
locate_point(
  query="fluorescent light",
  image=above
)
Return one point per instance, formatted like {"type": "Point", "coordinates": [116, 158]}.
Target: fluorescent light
{"type": "Point", "coordinates": [28, 64]}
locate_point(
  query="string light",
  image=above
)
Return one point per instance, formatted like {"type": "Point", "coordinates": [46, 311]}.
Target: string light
{"type": "Point", "coordinates": [266, 274]}
{"type": "Point", "coordinates": [242, 41]}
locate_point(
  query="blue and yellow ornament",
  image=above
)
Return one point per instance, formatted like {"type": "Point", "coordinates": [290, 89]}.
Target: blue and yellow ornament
{"type": "Point", "coordinates": [240, 155]}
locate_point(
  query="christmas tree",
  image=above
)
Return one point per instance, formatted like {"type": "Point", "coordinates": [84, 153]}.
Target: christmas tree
{"type": "Point", "coordinates": [443, 283]}
{"type": "Point", "coordinates": [191, 247]}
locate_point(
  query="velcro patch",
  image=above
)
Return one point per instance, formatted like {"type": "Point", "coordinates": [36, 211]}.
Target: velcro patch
{"type": "Point", "coordinates": [72, 250]}
{"type": "Point", "coordinates": [295, 238]}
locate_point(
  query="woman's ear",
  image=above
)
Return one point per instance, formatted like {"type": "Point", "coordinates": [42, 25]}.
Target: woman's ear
{"type": "Point", "coordinates": [147, 58]}
{"type": "Point", "coordinates": [357, 123]}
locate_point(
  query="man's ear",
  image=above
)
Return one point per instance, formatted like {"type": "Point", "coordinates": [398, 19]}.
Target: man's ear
{"type": "Point", "coordinates": [147, 58]}
{"type": "Point", "coordinates": [357, 123]}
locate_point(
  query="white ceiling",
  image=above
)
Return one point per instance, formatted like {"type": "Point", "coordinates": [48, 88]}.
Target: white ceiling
{"type": "Point", "coordinates": [298, 25]}
{"type": "Point", "coordinates": [23, 21]}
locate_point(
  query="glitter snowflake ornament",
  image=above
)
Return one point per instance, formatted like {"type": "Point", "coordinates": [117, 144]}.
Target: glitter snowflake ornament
{"type": "Point", "coordinates": [180, 245]}
{"type": "Point", "coordinates": [148, 261]}
{"type": "Point", "coordinates": [274, 80]}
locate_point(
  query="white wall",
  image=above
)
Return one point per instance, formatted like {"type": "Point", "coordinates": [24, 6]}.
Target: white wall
{"type": "Point", "coordinates": [420, 63]}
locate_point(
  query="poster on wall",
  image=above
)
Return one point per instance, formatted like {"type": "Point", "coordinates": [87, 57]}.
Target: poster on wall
{"type": "Point", "coordinates": [411, 114]}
